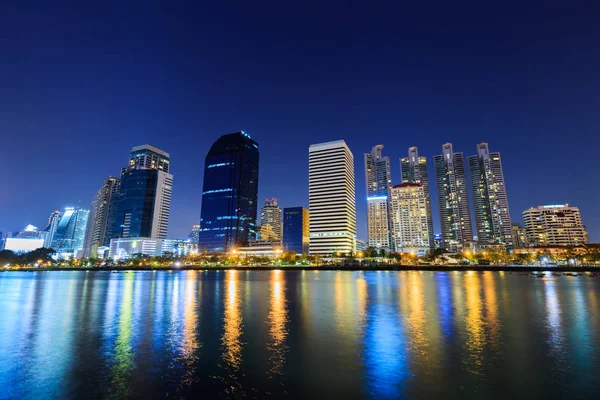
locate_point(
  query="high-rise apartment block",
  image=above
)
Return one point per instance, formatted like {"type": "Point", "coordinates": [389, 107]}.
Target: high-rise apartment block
{"type": "Point", "coordinates": [296, 231]}
{"type": "Point", "coordinates": [144, 200]}
{"type": "Point", "coordinates": [332, 200]}
{"type": "Point", "coordinates": [270, 215]}
{"type": "Point", "coordinates": [410, 225]}
{"type": "Point", "coordinates": [554, 225]}
{"type": "Point", "coordinates": [102, 217]}
{"type": "Point", "coordinates": [414, 170]}
{"type": "Point", "coordinates": [455, 217]}
{"type": "Point", "coordinates": [492, 218]}
{"type": "Point", "coordinates": [229, 193]}
{"type": "Point", "coordinates": [378, 180]}
{"type": "Point", "coordinates": [50, 229]}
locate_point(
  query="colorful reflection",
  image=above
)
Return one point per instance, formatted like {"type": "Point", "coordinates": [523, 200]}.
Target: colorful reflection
{"type": "Point", "coordinates": [232, 346]}
{"type": "Point", "coordinates": [475, 330]}
{"type": "Point", "coordinates": [123, 354]}
{"type": "Point", "coordinates": [278, 320]}
{"type": "Point", "coordinates": [189, 342]}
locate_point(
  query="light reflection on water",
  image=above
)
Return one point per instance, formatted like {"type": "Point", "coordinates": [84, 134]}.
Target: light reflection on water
{"type": "Point", "coordinates": [297, 334]}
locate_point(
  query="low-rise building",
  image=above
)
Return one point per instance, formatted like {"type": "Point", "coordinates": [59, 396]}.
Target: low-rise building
{"type": "Point", "coordinates": [554, 225]}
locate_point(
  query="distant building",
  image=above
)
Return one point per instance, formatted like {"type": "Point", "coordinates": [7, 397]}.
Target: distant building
{"type": "Point", "coordinates": [70, 232]}
{"type": "Point", "coordinates": [519, 236]}
{"type": "Point", "coordinates": [332, 200]}
{"type": "Point", "coordinates": [229, 193]}
{"type": "Point", "coordinates": [554, 225]}
{"type": "Point", "coordinates": [361, 245]}
{"type": "Point", "coordinates": [125, 248]}
{"type": "Point", "coordinates": [270, 215]}
{"type": "Point", "coordinates": [53, 221]}
{"type": "Point", "coordinates": [408, 211]}
{"type": "Point", "coordinates": [492, 218]}
{"type": "Point", "coordinates": [23, 245]}
{"type": "Point", "coordinates": [194, 234]}
{"type": "Point", "coordinates": [378, 180]}
{"type": "Point", "coordinates": [437, 240]}
{"type": "Point", "coordinates": [144, 200]}
{"type": "Point", "coordinates": [296, 231]}
{"type": "Point", "coordinates": [455, 216]}
{"type": "Point", "coordinates": [103, 212]}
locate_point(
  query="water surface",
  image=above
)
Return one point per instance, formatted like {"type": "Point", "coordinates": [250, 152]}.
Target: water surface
{"type": "Point", "coordinates": [298, 334]}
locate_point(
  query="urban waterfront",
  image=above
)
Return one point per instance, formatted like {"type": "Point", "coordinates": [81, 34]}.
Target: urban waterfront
{"type": "Point", "coordinates": [298, 334]}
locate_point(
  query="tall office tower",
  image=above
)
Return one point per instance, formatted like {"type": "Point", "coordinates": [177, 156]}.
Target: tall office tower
{"type": "Point", "coordinates": [378, 179]}
{"type": "Point", "coordinates": [53, 221]}
{"type": "Point", "coordinates": [331, 197]}
{"type": "Point", "coordinates": [229, 193]}
{"type": "Point", "coordinates": [270, 214]}
{"type": "Point", "coordinates": [414, 170]}
{"type": "Point", "coordinates": [492, 219]}
{"type": "Point", "coordinates": [453, 200]}
{"type": "Point", "coordinates": [410, 226]}
{"type": "Point", "coordinates": [144, 201]}
{"type": "Point", "coordinates": [296, 231]}
{"type": "Point", "coordinates": [519, 236]}
{"type": "Point", "coordinates": [102, 217]}
{"type": "Point", "coordinates": [70, 232]}
{"type": "Point", "coordinates": [148, 157]}
{"type": "Point", "coordinates": [555, 225]}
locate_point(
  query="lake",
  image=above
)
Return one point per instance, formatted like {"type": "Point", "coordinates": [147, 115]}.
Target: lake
{"type": "Point", "coordinates": [298, 335]}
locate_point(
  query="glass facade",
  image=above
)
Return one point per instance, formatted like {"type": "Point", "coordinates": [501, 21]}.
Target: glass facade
{"type": "Point", "coordinates": [296, 230]}
{"type": "Point", "coordinates": [135, 204]}
{"type": "Point", "coordinates": [229, 193]}
{"type": "Point", "coordinates": [70, 232]}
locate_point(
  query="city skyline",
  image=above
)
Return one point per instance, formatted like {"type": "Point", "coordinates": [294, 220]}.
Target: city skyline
{"type": "Point", "coordinates": [477, 84]}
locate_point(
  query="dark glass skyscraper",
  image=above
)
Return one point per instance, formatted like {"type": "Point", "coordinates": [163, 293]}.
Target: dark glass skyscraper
{"type": "Point", "coordinates": [296, 229]}
{"type": "Point", "coordinates": [229, 193]}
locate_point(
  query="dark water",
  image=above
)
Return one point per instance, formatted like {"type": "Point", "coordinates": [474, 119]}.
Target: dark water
{"type": "Point", "coordinates": [298, 334]}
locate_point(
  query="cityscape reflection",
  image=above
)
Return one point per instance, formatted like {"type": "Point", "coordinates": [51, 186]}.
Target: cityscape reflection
{"type": "Point", "coordinates": [298, 334]}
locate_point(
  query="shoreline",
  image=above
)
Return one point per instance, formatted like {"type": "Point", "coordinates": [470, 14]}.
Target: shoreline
{"type": "Point", "coordinates": [431, 268]}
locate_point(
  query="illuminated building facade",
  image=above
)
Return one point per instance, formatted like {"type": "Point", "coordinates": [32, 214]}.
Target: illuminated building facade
{"type": "Point", "coordinates": [229, 193]}
{"type": "Point", "coordinates": [455, 216]}
{"type": "Point", "coordinates": [296, 230]}
{"type": "Point", "coordinates": [70, 232]}
{"type": "Point", "coordinates": [492, 218]}
{"type": "Point", "coordinates": [519, 236]}
{"type": "Point", "coordinates": [332, 200]}
{"type": "Point", "coordinates": [554, 225]}
{"type": "Point", "coordinates": [50, 229]}
{"type": "Point", "coordinates": [270, 215]}
{"type": "Point", "coordinates": [378, 180]}
{"type": "Point", "coordinates": [414, 170]}
{"type": "Point", "coordinates": [410, 227]}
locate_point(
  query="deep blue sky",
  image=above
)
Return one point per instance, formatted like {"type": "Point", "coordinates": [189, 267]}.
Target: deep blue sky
{"type": "Point", "coordinates": [80, 84]}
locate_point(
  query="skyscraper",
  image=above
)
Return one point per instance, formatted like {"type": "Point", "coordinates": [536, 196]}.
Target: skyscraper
{"type": "Point", "coordinates": [70, 232]}
{"type": "Point", "coordinates": [296, 231]}
{"type": "Point", "coordinates": [102, 216]}
{"type": "Point", "coordinates": [332, 200]}
{"type": "Point", "coordinates": [144, 200]}
{"type": "Point", "coordinates": [378, 179]}
{"type": "Point", "coordinates": [492, 219]}
{"type": "Point", "coordinates": [554, 225]}
{"type": "Point", "coordinates": [229, 193]}
{"type": "Point", "coordinates": [414, 170]}
{"type": "Point", "coordinates": [453, 199]}
{"type": "Point", "coordinates": [53, 221]}
{"type": "Point", "coordinates": [270, 215]}
{"type": "Point", "coordinates": [410, 226]}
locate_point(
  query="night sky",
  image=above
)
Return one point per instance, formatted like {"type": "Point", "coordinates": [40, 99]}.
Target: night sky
{"type": "Point", "coordinates": [81, 84]}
